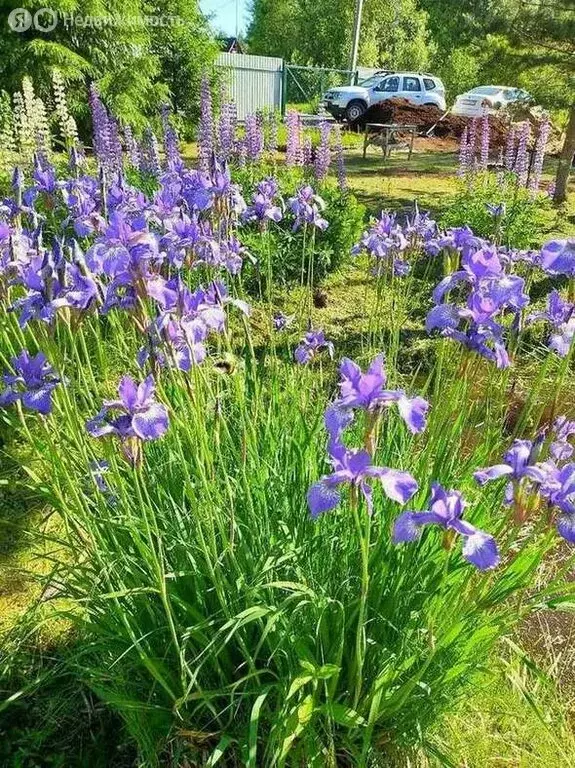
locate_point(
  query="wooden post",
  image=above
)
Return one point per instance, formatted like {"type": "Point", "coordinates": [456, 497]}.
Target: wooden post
{"type": "Point", "coordinates": [565, 160]}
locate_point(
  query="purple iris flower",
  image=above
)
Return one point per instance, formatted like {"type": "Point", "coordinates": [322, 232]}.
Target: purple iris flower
{"type": "Point", "coordinates": [307, 208]}
{"type": "Point", "coordinates": [281, 321]}
{"type": "Point", "coordinates": [311, 344]}
{"type": "Point", "coordinates": [559, 490]}
{"type": "Point", "coordinates": [477, 264]}
{"type": "Point", "coordinates": [126, 247]}
{"type": "Point", "coordinates": [558, 257]}
{"type": "Point", "coordinates": [263, 207]}
{"type": "Point", "coordinates": [135, 416]}
{"type": "Point", "coordinates": [420, 226]}
{"type": "Point", "coordinates": [367, 391]}
{"type": "Point", "coordinates": [384, 241]}
{"type": "Point", "coordinates": [485, 339]}
{"type": "Point", "coordinates": [496, 210]}
{"type": "Point", "coordinates": [457, 239]}
{"type": "Point", "coordinates": [446, 509]}
{"type": "Point", "coordinates": [32, 383]}
{"type": "Point", "coordinates": [562, 341]}
{"type": "Point", "coordinates": [520, 463]}
{"type": "Point", "coordinates": [561, 448]}
{"type": "Point", "coordinates": [354, 468]}
{"type": "Point", "coordinates": [558, 311]}
{"type": "Point", "coordinates": [175, 342]}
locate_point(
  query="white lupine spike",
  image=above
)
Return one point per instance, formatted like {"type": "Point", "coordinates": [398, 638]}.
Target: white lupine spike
{"type": "Point", "coordinates": [66, 122]}
{"type": "Point", "coordinates": [22, 128]}
{"type": "Point", "coordinates": [8, 156]}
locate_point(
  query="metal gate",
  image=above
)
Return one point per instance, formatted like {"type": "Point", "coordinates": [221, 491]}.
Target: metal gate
{"type": "Point", "coordinates": [266, 83]}
{"type": "Point", "coordinates": [306, 85]}
{"type": "Point", "coordinates": [254, 83]}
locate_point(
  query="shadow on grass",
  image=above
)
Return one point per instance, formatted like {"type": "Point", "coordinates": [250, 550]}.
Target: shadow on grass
{"type": "Point", "coordinates": [17, 502]}
{"type": "Point", "coordinates": [52, 719]}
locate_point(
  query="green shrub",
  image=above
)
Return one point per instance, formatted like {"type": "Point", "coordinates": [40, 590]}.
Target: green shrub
{"type": "Point", "coordinates": [525, 218]}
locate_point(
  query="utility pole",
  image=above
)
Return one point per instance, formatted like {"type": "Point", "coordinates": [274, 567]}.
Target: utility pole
{"type": "Point", "coordinates": [356, 31]}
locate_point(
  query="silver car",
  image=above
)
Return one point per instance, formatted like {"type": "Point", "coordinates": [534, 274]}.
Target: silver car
{"type": "Point", "coordinates": [489, 99]}
{"type": "Point", "coordinates": [351, 101]}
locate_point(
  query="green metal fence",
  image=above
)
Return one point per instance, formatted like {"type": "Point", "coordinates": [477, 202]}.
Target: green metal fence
{"type": "Point", "coordinates": [308, 84]}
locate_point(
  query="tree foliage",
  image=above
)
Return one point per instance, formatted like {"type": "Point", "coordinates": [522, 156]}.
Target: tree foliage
{"type": "Point", "coordinates": [318, 32]}
{"type": "Point", "coordinates": [136, 65]}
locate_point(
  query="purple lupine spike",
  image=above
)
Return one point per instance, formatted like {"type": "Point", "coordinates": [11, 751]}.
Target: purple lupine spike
{"type": "Point", "coordinates": [225, 131]}
{"type": "Point", "coordinates": [485, 130]}
{"type": "Point", "coordinates": [32, 383]}
{"type": "Point", "coordinates": [132, 147]}
{"type": "Point", "coordinates": [323, 152]}
{"type": "Point", "coordinates": [306, 152]}
{"type": "Point", "coordinates": [463, 153]}
{"type": "Point", "coordinates": [340, 160]}
{"type": "Point", "coordinates": [521, 166]}
{"type": "Point", "coordinates": [170, 139]}
{"type": "Point", "coordinates": [150, 154]}
{"type": "Point", "coordinates": [272, 133]}
{"type": "Point", "coordinates": [510, 149]}
{"type": "Point", "coordinates": [100, 128]}
{"type": "Point", "coordinates": [539, 155]}
{"type": "Point", "coordinates": [206, 130]}
{"type": "Point", "coordinates": [472, 144]}
{"type": "Point", "coordinates": [446, 510]}
{"type": "Point", "coordinates": [293, 146]}
{"type": "Point", "coordinates": [254, 138]}
{"type": "Point", "coordinates": [115, 146]}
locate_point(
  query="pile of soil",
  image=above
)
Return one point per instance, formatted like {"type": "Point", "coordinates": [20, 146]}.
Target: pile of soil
{"type": "Point", "coordinates": [452, 126]}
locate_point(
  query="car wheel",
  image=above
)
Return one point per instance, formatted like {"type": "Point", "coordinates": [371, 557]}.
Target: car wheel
{"type": "Point", "coordinates": [355, 110]}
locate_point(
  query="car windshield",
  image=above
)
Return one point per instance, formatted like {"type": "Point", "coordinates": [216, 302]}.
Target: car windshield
{"type": "Point", "coordinates": [371, 81]}
{"type": "Point", "coordinates": [486, 90]}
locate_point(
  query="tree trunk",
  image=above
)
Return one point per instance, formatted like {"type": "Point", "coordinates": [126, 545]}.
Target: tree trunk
{"type": "Point", "coordinates": [566, 160]}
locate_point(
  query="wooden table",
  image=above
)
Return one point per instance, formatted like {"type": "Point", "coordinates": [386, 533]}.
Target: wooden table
{"type": "Point", "coordinates": [386, 132]}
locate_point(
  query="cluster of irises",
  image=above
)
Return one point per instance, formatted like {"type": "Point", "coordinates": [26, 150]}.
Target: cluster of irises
{"type": "Point", "coordinates": [96, 244]}
{"type": "Point", "coordinates": [368, 393]}
{"type": "Point", "coordinates": [114, 248]}
{"type": "Point", "coordinates": [539, 469]}
{"type": "Point", "coordinates": [495, 297]}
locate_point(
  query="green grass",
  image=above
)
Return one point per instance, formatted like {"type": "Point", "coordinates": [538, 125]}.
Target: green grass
{"type": "Point", "coordinates": [512, 718]}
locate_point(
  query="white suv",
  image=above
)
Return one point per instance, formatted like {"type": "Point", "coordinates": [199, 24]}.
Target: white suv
{"type": "Point", "coordinates": [351, 101]}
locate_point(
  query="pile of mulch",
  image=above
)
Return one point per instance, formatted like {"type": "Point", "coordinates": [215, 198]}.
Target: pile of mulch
{"type": "Point", "coordinates": [452, 126]}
